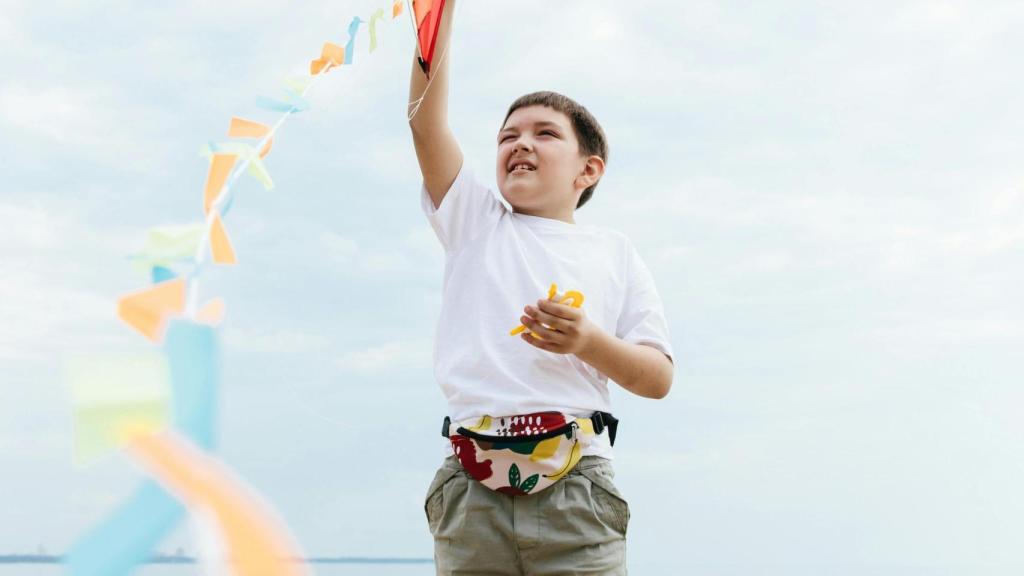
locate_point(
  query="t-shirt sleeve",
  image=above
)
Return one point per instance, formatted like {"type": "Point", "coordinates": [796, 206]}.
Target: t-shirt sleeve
{"type": "Point", "coordinates": [642, 320]}
{"type": "Point", "coordinates": [467, 209]}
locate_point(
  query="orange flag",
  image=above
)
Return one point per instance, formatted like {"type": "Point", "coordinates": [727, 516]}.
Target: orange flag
{"type": "Point", "coordinates": [242, 128]}
{"type": "Point", "coordinates": [223, 252]}
{"type": "Point", "coordinates": [146, 310]}
{"type": "Point", "coordinates": [220, 168]}
{"type": "Point", "coordinates": [212, 313]}
{"type": "Point", "coordinates": [330, 55]}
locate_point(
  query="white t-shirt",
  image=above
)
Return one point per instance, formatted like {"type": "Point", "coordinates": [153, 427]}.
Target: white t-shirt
{"type": "Point", "coordinates": [497, 262]}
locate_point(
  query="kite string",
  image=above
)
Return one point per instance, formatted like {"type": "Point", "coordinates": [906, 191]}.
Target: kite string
{"type": "Point", "coordinates": [200, 257]}
{"type": "Point", "coordinates": [193, 292]}
{"type": "Point", "coordinates": [415, 30]}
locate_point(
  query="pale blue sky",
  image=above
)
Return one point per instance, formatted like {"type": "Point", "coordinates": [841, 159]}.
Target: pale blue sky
{"type": "Point", "coordinates": [830, 197]}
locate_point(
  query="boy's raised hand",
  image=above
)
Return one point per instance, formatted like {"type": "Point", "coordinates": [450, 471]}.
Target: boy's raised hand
{"type": "Point", "coordinates": [563, 328]}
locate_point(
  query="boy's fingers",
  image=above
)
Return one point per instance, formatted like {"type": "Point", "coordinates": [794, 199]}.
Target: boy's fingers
{"type": "Point", "coordinates": [545, 318]}
{"type": "Point", "coordinates": [540, 330]}
{"type": "Point", "coordinates": [561, 310]}
{"type": "Point", "coordinates": [530, 340]}
{"type": "Point", "coordinates": [542, 344]}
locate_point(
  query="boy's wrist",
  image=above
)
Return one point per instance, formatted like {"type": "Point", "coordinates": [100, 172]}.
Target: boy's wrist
{"type": "Point", "coordinates": [596, 344]}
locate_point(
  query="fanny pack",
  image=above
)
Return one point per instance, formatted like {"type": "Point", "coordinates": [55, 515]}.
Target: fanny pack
{"type": "Point", "coordinates": [520, 455]}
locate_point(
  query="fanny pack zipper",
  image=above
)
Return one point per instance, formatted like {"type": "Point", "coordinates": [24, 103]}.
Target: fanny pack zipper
{"type": "Point", "coordinates": [568, 430]}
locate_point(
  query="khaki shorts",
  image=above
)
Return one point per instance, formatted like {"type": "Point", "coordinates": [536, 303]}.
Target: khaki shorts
{"type": "Point", "coordinates": [576, 526]}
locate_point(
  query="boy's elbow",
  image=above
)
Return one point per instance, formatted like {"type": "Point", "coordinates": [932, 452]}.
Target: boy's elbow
{"type": "Point", "coordinates": [660, 390]}
{"type": "Point", "coordinates": [664, 383]}
{"type": "Point", "coordinates": [655, 386]}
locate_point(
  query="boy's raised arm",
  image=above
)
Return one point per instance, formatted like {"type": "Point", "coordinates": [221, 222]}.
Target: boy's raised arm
{"type": "Point", "coordinates": [436, 148]}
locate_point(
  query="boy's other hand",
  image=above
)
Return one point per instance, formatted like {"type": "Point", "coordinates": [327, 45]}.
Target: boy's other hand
{"type": "Point", "coordinates": [564, 329]}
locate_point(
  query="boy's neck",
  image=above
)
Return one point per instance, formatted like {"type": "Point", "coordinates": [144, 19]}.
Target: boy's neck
{"type": "Point", "coordinates": [566, 217]}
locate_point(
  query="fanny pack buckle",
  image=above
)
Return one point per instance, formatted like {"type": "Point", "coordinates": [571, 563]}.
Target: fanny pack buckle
{"type": "Point", "coordinates": [602, 420]}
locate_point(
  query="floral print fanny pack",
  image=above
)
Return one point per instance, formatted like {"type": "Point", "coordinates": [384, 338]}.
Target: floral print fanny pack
{"type": "Point", "coordinates": [520, 455]}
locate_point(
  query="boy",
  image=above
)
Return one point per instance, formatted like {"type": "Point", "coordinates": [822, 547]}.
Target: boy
{"type": "Point", "coordinates": [551, 154]}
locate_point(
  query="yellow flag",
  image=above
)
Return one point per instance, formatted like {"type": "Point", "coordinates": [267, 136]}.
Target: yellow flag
{"type": "Point", "coordinates": [115, 398]}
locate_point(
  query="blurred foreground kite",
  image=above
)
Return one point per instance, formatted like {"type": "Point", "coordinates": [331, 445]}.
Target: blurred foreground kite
{"type": "Point", "coordinates": [162, 406]}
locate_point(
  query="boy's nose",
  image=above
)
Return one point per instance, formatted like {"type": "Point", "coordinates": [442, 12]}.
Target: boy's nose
{"type": "Point", "coordinates": [519, 145]}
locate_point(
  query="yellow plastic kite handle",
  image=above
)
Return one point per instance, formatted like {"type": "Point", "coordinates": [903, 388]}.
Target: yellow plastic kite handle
{"type": "Point", "coordinates": [573, 296]}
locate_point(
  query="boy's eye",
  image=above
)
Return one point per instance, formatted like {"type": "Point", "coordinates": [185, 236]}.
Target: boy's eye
{"type": "Point", "coordinates": [505, 138]}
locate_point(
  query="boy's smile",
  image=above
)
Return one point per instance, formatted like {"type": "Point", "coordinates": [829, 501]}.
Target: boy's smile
{"type": "Point", "coordinates": [540, 169]}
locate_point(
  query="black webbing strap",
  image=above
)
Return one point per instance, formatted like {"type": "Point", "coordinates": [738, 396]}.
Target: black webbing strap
{"type": "Point", "coordinates": [600, 420]}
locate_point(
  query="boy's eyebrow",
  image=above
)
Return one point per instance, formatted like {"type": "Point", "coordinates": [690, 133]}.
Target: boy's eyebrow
{"type": "Point", "coordinates": [536, 124]}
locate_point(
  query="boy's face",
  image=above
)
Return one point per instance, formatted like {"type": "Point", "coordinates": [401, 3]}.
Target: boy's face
{"type": "Point", "coordinates": [543, 140]}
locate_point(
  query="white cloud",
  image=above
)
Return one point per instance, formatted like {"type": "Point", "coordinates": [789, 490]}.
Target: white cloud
{"type": "Point", "coordinates": [901, 232]}
{"type": "Point", "coordinates": [37, 315]}
{"type": "Point", "coordinates": [385, 262]}
{"type": "Point", "coordinates": [44, 304]}
{"type": "Point", "coordinates": [950, 329]}
{"type": "Point", "coordinates": [391, 356]}
{"type": "Point", "coordinates": [968, 28]}
{"type": "Point", "coordinates": [29, 228]}
{"type": "Point", "coordinates": [281, 342]}
{"type": "Point", "coordinates": [89, 120]}
{"type": "Point", "coordinates": [346, 250]}
{"type": "Point", "coordinates": [338, 247]}
{"type": "Point", "coordinates": [7, 29]}
{"type": "Point", "coordinates": [58, 113]}
{"type": "Point", "coordinates": [418, 250]}
{"type": "Point", "coordinates": [941, 12]}
{"type": "Point", "coordinates": [672, 254]}
{"type": "Point", "coordinates": [422, 242]}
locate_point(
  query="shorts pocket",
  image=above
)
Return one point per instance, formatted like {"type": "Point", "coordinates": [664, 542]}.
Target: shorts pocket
{"type": "Point", "coordinates": [433, 505]}
{"type": "Point", "coordinates": [611, 505]}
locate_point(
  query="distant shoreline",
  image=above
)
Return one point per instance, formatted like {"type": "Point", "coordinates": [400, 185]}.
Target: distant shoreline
{"type": "Point", "coordinates": [47, 559]}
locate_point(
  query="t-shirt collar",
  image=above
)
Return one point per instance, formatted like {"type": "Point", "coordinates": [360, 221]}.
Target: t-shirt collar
{"type": "Point", "coordinates": [542, 222]}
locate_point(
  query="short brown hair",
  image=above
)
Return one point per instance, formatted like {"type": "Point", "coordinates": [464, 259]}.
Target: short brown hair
{"type": "Point", "coordinates": [588, 131]}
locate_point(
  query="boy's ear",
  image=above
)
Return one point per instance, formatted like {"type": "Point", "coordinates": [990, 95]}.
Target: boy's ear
{"type": "Point", "coordinates": [591, 173]}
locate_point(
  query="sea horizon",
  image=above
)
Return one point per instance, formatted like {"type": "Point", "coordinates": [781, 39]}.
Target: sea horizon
{"type": "Point", "coordinates": [186, 559]}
